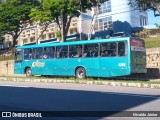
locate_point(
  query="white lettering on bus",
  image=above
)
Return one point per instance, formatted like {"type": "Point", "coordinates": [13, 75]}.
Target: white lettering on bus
{"type": "Point", "coordinates": [122, 64]}
{"type": "Point", "coordinates": [38, 64]}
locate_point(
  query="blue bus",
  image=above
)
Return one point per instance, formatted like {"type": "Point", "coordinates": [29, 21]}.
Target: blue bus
{"type": "Point", "coordinates": [91, 58]}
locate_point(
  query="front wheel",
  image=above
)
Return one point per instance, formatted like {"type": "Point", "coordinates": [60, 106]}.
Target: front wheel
{"type": "Point", "coordinates": [28, 72]}
{"type": "Point", "coordinates": [80, 73]}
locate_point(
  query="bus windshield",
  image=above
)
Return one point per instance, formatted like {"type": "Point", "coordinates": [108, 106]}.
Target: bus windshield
{"type": "Point", "coordinates": [18, 55]}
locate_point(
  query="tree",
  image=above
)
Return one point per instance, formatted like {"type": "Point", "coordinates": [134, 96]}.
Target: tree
{"type": "Point", "coordinates": [144, 33]}
{"type": "Point", "coordinates": [62, 12]}
{"type": "Point", "coordinates": [14, 17]}
{"type": "Point", "coordinates": [144, 5]}
{"type": "Point", "coordinates": [1, 38]}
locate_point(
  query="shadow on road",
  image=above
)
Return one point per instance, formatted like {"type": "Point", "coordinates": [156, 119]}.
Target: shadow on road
{"type": "Point", "coordinates": [41, 99]}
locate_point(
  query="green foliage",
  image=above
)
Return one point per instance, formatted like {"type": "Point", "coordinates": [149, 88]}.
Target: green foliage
{"type": "Point", "coordinates": [144, 33]}
{"type": "Point", "coordinates": [4, 58]}
{"type": "Point", "coordinates": [144, 5]}
{"type": "Point", "coordinates": [62, 11]}
{"type": "Point", "coordinates": [152, 42]}
{"type": "Point", "coordinates": [14, 16]}
{"type": "Point", "coordinates": [58, 34]}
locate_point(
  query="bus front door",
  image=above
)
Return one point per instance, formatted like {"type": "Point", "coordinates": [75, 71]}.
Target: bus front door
{"type": "Point", "coordinates": [18, 62]}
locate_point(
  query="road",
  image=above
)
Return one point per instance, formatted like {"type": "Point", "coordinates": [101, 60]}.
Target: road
{"type": "Point", "coordinates": [34, 96]}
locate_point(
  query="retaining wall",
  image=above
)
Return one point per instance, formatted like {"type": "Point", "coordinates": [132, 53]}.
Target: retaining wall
{"type": "Point", "coordinates": [7, 68]}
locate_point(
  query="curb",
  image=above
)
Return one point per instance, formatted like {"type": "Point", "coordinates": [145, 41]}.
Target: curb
{"type": "Point", "coordinates": [94, 82]}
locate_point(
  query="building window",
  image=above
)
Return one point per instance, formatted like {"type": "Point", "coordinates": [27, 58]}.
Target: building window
{"type": "Point", "coordinates": [32, 39]}
{"type": "Point", "coordinates": [103, 24]}
{"type": "Point", "coordinates": [43, 37]}
{"type": "Point", "coordinates": [143, 20]}
{"type": "Point", "coordinates": [51, 35]}
{"type": "Point", "coordinates": [73, 31]}
{"type": "Point", "coordinates": [104, 8]}
{"type": "Point", "coordinates": [25, 41]}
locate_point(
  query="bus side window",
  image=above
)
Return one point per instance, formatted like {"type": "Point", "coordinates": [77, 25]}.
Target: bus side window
{"type": "Point", "coordinates": [62, 52]}
{"type": "Point", "coordinates": [113, 49]}
{"type": "Point", "coordinates": [90, 50]}
{"type": "Point", "coordinates": [48, 52]}
{"type": "Point", "coordinates": [121, 49]}
{"type": "Point", "coordinates": [75, 51]}
{"type": "Point", "coordinates": [27, 54]}
{"type": "Point", "coordinates": [104, 50]}
{"type": "Point", "coordinates": [108, 49]}
{"type": "Point", "coordinates": [38, 53]}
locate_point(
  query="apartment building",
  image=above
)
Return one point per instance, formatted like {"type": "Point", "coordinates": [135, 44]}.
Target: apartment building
{"type": "Point", "coordinates": [32, 34]}
{"type": "Point", "coordinates": [112, 16]}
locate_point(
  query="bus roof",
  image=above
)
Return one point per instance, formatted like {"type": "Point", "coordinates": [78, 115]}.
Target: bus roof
{"type": "Point", "coordinates": [74, 42]}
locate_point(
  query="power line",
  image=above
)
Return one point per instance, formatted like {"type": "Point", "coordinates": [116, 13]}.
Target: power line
{"type": "Point", "coordinates": [107, 15]}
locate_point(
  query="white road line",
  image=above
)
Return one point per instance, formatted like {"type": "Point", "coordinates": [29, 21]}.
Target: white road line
{"type": "Point", "coordinates": [14, 86]}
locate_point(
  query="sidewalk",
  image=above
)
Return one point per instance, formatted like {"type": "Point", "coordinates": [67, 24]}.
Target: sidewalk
{"type": "Point", "coordinates": [153, 83]}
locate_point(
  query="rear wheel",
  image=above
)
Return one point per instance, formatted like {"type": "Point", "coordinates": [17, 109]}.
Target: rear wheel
{"type": "Point", "coordinates": [80, 73]}
{"type": "Point", "coordinates": [28, 72]}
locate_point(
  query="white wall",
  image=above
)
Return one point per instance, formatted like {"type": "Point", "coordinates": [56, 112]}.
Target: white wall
{"type": "Point", "coordinates": [120, 10]}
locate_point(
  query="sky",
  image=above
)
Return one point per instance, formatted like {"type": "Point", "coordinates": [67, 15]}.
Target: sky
{"type": "Point", "coordinates": [151, 19]}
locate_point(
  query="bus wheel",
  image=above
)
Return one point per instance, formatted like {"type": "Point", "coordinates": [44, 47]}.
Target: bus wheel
{"type": "Point", "coordinates": [28, 72]}
{"type": "Point", "coordinates": [80, 73]}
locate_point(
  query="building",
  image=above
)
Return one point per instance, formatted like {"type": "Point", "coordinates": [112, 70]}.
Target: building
{"type": "Point", "coordinates": [115, 16]}
{"type": "Point", "coordinates": [112, 16]}
{"type": "Point", "coordinates": [32, 33]}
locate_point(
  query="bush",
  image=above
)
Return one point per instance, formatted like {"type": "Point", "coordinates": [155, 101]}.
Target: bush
{"type": "Point", "coordinates": [3, 58]}
{"type": "Point", "coordinates": [152, 42]}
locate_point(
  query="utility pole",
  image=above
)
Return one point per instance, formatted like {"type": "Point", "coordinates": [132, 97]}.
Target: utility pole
{"type": "Point", "coordinates": [93, 19]}
{"type": "Point", "coordinates": [62, 27]}
{"type": "Point", "coordinates": [81, 20]}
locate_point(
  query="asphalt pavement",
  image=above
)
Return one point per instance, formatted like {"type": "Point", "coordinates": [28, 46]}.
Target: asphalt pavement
{"type": "Point", "coordinates": [82, 98]}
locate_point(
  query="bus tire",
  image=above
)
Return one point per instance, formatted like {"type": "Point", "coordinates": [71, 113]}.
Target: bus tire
{"type": "Point", "coordinates": [28, 72]}
{"type": "Point", "coordinates": [80, 73]}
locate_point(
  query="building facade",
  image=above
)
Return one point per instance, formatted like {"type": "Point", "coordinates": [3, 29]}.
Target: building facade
{"type": "Point", "coordinates": [32, 34]}
{"type": "Point", "coordinates": [116, 16]}
{"type": "Point", "coordinates": [113, 16]}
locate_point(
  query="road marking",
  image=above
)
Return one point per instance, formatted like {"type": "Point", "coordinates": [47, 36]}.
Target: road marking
{"type": "Point", "coordinates": [14, 86]}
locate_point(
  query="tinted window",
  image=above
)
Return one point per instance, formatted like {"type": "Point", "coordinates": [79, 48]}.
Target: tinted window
{"type": "Point", "coordinates": [108, 49]}
{"type": "Point", "coordinates": [121, 49]}
{"type": "Point", "coordinates": [90, 50]}
{"type": "Point", "coordinates": [27, 54]}
{"type": "Point", "coordinates": [37, 53]}
{"type": "Point", "coordinates": [62, 52]}
{"type": "Point", "coordinates": [75, 51]}
{"type": "Point", "coordinates": [48, 52]}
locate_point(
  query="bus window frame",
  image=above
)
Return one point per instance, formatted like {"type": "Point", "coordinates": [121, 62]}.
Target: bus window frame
{"type": "Point", "coordinates": [62, 57]}
{"type": "Point", "coordinates": [53, 51]}
{"type": "Point", "coordinates": [30, 53]}
{"type": "Point", "coordinates": [109, 54]}
{"type": "Point", "coordinates": [83, 54]}
{"type": "Point", "coordinates": [125, 47]}
{"type": "Point", "coordinates": [70, 55]}
{"type": "Point", "coordinates": [99, 45]}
